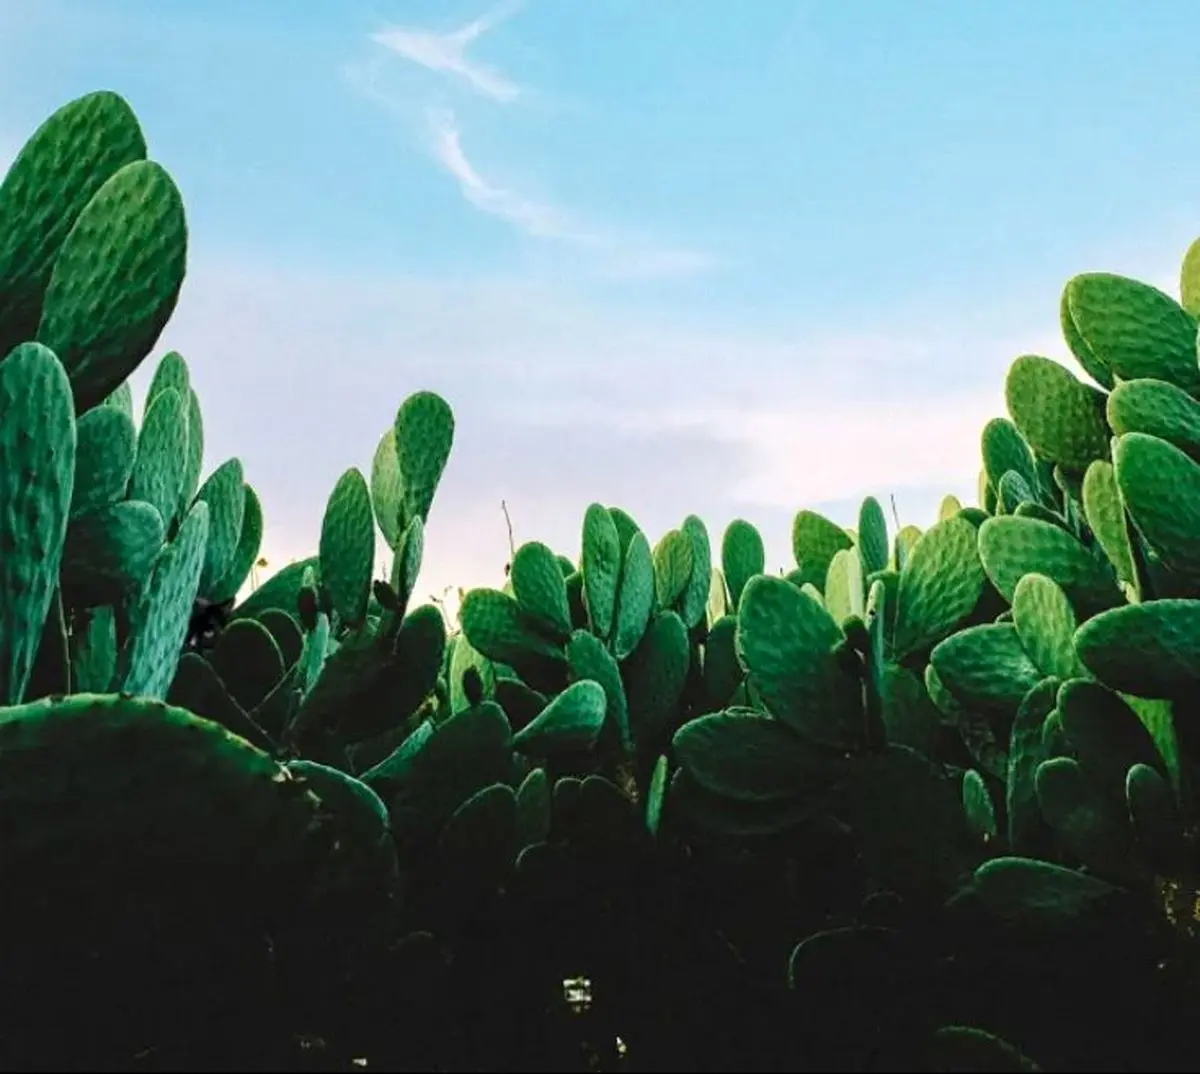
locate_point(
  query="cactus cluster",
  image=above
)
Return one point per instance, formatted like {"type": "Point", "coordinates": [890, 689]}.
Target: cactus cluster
{"type": "Point", "coordinates": [926, 800]}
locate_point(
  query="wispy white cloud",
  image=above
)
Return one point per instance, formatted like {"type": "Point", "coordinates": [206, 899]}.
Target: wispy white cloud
{"type": "Point", "coordinates": [621, 255]}
{"type": "Point", "coordinates": [446, 53]}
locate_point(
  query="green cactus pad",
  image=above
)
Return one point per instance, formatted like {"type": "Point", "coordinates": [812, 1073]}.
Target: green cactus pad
{"type": "Point", "coordinates": [601, 568]}
{"type": "Point", "coordinates": [116, 280]}
{"type": "Point", "coordinates": [248, 661]}
{"type": "Point", "coordinates": [572, 721]}
{"type": "Point", "coordinates": [655, 677]}
{"type": "Point", "coordinates": [281, 590]}
{"type": "Point", "coordinates": [347, 549]}
{"type": "Point", "coordinates": [1013, 547]}
{"type": "Point", "coordinates": [588, 658]}
{"type": "Point", "coordinates": [533, 808]}
{"type": "Point", "coordinates": [497, 626]}
{"type": "Point", "coordinates": [1158, 409]}
{"type": "Point", "coordinates": [908, 819]}
{"type": "Point", "coordinates": [541, 590]}
{"type": "Point", "coordinates": [1078, 814]}
{"type": "Point", "coordinates": [687, 803]}
{"type": "Point", "coordinates": [978, 806]}
{"type": "Point", "coordinates": [1026, 750]}
{"type": "Point", "coordinates": [194, 463]}
{"type": "Point", "coordinates": [939, 586]}
{"type": "Point", "coordinates": [1105, 514]}
{"type": "Point", "coordinates": [747, 756]}
{"type": "Point", "coordinates": [199, 689]}
{"type": "Point", "coordinates": [57, 172]}
{"type": "Point", "coordinates": [1106, 734]}
{"type": "Point", "coordinates": [1046, 624]}
{"type": "Point", "coordinates": [466, 753]}
{"type": "Point", "coordinates": [673, 564]}
{"type": "Point", "coordinates": [1134, 329]}
{"type": "Point", "coordinates": [1155, 820]}
{"type": "Point", "coordinates": [465, 658]}
{"type": "Point", "coordinates": [171, 372]}
{"type": "Point", "coordinates": [1004, 450]}
{"type": "Point", "coordinates": [815, 540]}
{"type": "Point", "coordinates": [742, 557]}
{"type": "Point", "coordinates": [104, 458]}
{"type": "Point", "coordinates": [424, 432]}
{"type": "Point", "coordinates": [1060, 417]}
{"type": "Point", "coordinates": [121, 397]}
{"type": "Point", "coordinates": [1027, 891]}
{"type": "Point", "coordinates": [1160, 486]}
{"type": "Point", "coordinates": [656, 795]}
{"type": "Point", "coordinates": [365, 827]}
{"type": "Point", "coordinates": [160, 619]}
{"type": "Point", "coordinates": [387, 488]}
{"type": "Point", "coordinates": [786, 641]}
{"type": "Point", "coordinates": [845, 585]}
{"type": "Point", "coordinates": [986, 667]}
{"type": "Point", "coordinates": [94, 651]}
{"type": "Point", "coordinates": [908, 715]}
{"type": "Point", "coordinates": [51, 671]}
{"type": "Point", "coordinates": [1014, 491]}
{"type": "Point", "coordinates": [225, 493]}
{"type": "Point", "coordinates": [694, 601]}
{"type": "Point", "coordinates": [722, 672]}
{"type": "Point", "coordinates": [110, 551]}
{"type": "Point", "coordinates": [1189, 279]}
{"type": "Point", "coordinates": [873, 543]}
{"type": "Point", "coordinates": [37, 474]}
{"type": "Point", "coordinates": [225, 819]}
{"type": "Point", "coordinates": [246, 554]}
{"type": "Point", "coordinates": [1150, 649]}
{"type": "Point", "coordinates": [157, 476]}
{"type": "Point", "coordinates": [1094, 367]}
{"type": "Point", "coordinates": [635, 597]}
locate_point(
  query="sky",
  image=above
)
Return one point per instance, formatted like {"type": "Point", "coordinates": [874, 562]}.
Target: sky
{"type": "Point", "coordinates": [680, 256]}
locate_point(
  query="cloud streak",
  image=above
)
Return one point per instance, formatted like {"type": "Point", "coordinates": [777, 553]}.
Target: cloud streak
{"type": "Point", "coordinates": [621, 256]}
{"type": "Point", "coordinates": [446, 53]}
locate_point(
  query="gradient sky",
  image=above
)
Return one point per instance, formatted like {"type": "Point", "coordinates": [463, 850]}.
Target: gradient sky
{"type": "Point", "coordinates": [676, 255]}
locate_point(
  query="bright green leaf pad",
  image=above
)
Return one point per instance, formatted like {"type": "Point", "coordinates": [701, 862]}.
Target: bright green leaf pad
{"type": "Point", "coordinates": [55, 175]}
{"type": "Point", "coordinates": [815, 541]}
{"type": "Point", "coordinates": [572, 721]}
{"type": "Point", "coordinates": [161, 617]}
{"type": "Point", "coordinates": [1012, 547]}
{"type": "Point", "coordinates": [1150, 649]}
{"type": "Point", "coordinates": [225, 494]}
{"type": "Point", "coordinates": [1061, 418]}
{"type": "Point", "coordinates": [1158, 409]}
{"type": "Point", "coordinates": [1160, 486]}
{"type": "Point", "coordinates": [785, 640]}
{"type": "Point", "coordinates": [742, 557]}
{"type": "Point", "coordinates": [540, 589]}
{"type": "Point", "coordinates": [158, 471]}
{"type": "Point", "coordinates": [347, 549]}
{"type": "Point", "coordinates": [939, 586]}
{"type": "Point", "coordinates": [748, 756]}
{"type": "Point", "coordinates": [387, 489]}
{"type": "Point", "coordinates": [424, 434]}
{"type": "Point", "coordinates": [116, 280]}
{"type": "Point", "coordinates": [1134, 329]}
{"type": "Point", "coordinates": [37, 472]}
{"type": "Point", "coordinates": [104, 459]}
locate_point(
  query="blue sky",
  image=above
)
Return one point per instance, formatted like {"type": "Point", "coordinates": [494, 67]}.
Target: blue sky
{"type": "Point", "coordinates": [676, 255]}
